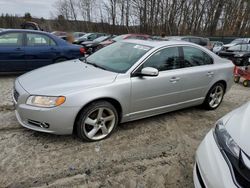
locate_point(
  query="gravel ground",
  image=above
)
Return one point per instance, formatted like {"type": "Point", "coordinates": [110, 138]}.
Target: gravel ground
{"type": "Point", "coordinates": [154, 152]}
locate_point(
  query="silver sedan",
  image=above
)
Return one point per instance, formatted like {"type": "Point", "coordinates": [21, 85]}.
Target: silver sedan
{"type": "Point", "coordinates": [125, 81]}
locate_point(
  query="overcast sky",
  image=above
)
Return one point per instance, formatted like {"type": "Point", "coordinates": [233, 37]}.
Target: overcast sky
{"type": "Point", "coordinates": [37, 8]}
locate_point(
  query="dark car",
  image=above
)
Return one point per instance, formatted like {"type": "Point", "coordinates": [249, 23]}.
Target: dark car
{"type": "Point", "coordinates": [92, 46]}
{"type": "Point", "coordinates": [123, 37]}
{"type": "Point", "coordinates": [25, 50]}
{"type": "Point", "coordinates": [205, 42]}
{"type": "Point", "coordinates": [31, 26]}
{"type": "Point", "coordinates": [235, 42]}
{"type": "Point", "coordinates": [239, 54]}
{"type": "Point", "coordinates": [88, 37]}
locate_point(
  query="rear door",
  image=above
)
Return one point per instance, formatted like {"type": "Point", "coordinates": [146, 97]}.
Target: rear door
{"type": "Point", "coordinates": [197, 73]}
{"type": "Point", "coordinates": [12, 52]}
{"type": "Point", "coordinates": [40, 50]}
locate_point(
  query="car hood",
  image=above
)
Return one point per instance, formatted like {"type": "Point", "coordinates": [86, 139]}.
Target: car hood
{"type": "Point", "coordinates": [238, 126]}
{"type": "Point", "coordinates": [63, 78]}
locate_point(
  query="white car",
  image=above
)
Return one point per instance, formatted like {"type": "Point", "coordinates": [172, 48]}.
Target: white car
{"type": "Point", "coordinates": [223, 158]}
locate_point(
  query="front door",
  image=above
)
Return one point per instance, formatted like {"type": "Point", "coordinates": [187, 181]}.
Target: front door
{"type": "Point", "coordinates": [153, 95]}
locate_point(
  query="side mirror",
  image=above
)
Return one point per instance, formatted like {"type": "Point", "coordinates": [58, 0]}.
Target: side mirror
{"type": "Point", "coordinates": [149, 71]}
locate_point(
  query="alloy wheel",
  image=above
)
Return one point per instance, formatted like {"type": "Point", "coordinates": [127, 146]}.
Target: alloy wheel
{"type": "Point", "coordinates": [216, 96]}
{"type": "Point", "coordinates": [99, 123]}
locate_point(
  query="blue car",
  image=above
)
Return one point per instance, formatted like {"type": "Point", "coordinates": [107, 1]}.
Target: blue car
{"type": "Point", "coordinates": [25, 50]}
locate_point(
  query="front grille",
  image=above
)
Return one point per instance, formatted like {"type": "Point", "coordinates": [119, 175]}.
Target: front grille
{"type": "Point", "coordinates": [15, 95]}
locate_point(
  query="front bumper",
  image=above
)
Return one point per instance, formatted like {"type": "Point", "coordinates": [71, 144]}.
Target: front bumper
{"type": "Point", "coordinates": [58, 120]}
{"type": "Point", "coordinates": [213, 168]}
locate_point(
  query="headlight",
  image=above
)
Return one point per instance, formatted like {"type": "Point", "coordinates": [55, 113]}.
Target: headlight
{"type": "Point", "coordinates": [225, 141]}
{"type": "Point", "coordinates": [45, 101]}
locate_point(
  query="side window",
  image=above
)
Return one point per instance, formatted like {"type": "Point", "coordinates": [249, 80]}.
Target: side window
{"type": "Point", "coordinates": [39, 40]}
{"type": "Point", "coordinates": [244, 47]}
{"type": "Point", "coordinates": [195, 57]}
{"type": "Point", "coordinates": [195, 40]}
{"type": "Point", "coordinates": [11, 39]}
{"type": "Point", "coordinates": [166, 59]}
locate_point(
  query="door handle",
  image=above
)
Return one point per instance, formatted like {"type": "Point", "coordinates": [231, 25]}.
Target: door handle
{"type": "Point", "coordinates": [210, 74]}
{"type": "Point", "coordinates": [174, 79]}
{"type": "Point", "coordinates": [18, 49]}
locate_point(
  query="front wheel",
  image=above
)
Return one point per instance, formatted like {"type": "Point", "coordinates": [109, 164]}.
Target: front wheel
{"type": "Point", "coordinates": [236, 79]}
{"type": "Point", "coordinates": [214, 97]}
{"type": "Point", "coordinates": [246, 83]}
{"type": "Point", "coordinates": [97, 121]}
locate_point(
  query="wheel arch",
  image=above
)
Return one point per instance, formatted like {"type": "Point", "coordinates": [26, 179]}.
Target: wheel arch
{"type": "Point", "coordinates": [113, 101]}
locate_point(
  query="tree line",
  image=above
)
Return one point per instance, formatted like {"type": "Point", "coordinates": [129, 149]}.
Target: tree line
{"type": "Point", "coordinates": [171, 17]}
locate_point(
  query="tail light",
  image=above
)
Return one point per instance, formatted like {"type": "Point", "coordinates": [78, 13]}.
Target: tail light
{"type": "Point", "coordinates": [82, 50]}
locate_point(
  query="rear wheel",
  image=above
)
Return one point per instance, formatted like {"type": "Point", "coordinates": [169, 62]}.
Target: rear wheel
{"type": "Point", "coordinates": [246, 83]}
{"type": "Point", "coordinates": [236, 79]}
{"type": "Point", "coordinates": [214, 97]}
{"type": "Point", "coordinates": [97, 121]}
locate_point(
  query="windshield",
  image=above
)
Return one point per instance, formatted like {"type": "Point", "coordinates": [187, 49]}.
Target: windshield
{"type": "Point", "coordinates": [119, 38]}
{"type": "Point", "coordinates": [86, 35]}
{"type": "Point", "coordinates": [237, 41]}
{"type": "Point", "coordinates": [118, 57]}
{"type": "Point", "coordinates": [100, 39]}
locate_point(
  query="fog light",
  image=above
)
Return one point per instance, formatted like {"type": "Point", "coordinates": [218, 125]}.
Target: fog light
{"type": "Point", "coordinates": [45, 125]}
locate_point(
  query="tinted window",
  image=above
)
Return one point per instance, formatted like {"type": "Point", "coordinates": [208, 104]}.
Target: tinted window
{"type": "Point", "coordinates": [118, 57]}
{"type": "Point", "coordinates": [11, 39]}
{"type": "Point", "coordinates": [195, 57]}
{"type": "Point", "coordinates": [195, 40]}
{"type": "Point", "coordinates": [39, 40]}
{"type": "Point", "coordinates": [166, 59]}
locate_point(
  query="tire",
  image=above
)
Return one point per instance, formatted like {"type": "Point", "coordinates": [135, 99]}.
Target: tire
{"type": "Point", "coordinates": [214, 97]}
{"type": "Point", "coordinates": [60, 60]}
{"type": "Point", "coordinates": [246, 83]}
{"type": "Point", "coordinates": [91, 125]}
{"type": "Point", "coordinates": [236, 79]}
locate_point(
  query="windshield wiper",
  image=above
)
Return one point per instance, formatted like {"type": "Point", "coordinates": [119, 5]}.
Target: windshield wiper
{"type": "Point", "coordinates": [95, 65]}
{"type": "Point", "coordinates": [84, 59]}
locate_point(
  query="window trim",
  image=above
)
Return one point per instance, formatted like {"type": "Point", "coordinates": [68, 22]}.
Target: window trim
{"type": "Point", "coordinates": [26, 40]}
{"type": "Point", "coordinates": [15, 32]}
{"type": "Point", "coordinates": [182, 56]}
{"type": "Point", "coordinates": [134, 72]}
{"type": "Point", "coordinates": [181, 53]}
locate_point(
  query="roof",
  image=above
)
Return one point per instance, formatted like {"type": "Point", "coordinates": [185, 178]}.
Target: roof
{"type": "Point", "coordinates": [154, 44]}
{"type": "Point", "coordinates": [23, 30]}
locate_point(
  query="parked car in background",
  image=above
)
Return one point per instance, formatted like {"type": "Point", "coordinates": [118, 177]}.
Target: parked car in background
{"type": "Point", "coordinates": [128, 80]}
{"type": "Point", "coordinates": [239, 54]}
{"type": "Point", "coordinates": [77, 35]}
{"type": "Point", "coordinates": [205, 42]}
{"type": "Point", "coordinates": [92, 46]}
{"type": "Point", "coordinates": [89, 37]}
{"type": "Point", "coordinates": [59, 33]}
{"type": "Point", "coordinates": [235, 42]}
{"type": "Point", "coordinates": [217, 46]}
{"type": "Point", "coordinates": [31, 26]}
{"type": "Point", "coordinates": [25, 50]}
{"type": "Point", "coordinates": [123, 37]}
{"type": "Point", "coordinates": [223, 157]}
